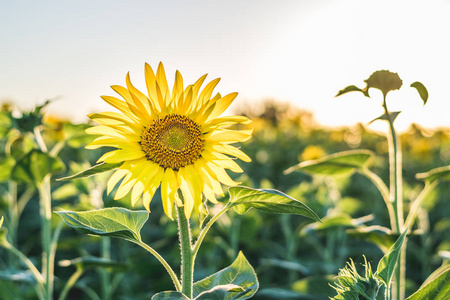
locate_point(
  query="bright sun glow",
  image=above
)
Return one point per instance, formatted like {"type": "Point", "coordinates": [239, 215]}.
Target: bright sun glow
{"type": "Point", "coordinates": [301, 51]}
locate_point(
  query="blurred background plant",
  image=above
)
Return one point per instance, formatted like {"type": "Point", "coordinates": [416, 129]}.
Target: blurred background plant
{"type": "Point", "coordinates": [308, 256]}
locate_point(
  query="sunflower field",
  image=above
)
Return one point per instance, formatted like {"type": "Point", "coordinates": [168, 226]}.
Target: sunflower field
{"type": "Point", "coordinates": [283, 207]}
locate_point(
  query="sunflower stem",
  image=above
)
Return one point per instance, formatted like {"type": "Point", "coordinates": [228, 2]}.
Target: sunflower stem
{"type": "Point", "coordinates": [395, 167]}
{"type": "Point", "coordinates": [187, 254]}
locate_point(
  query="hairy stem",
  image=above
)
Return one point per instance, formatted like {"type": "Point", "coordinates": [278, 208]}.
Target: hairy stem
{"type": "Point", "coordinates": [45, 213]}
{"type": "Point", "coordinates": [187, 262]}
{"type": "Point", "coordinates": [395, 168]}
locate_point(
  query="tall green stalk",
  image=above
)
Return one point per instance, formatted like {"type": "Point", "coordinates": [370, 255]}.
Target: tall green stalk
{"type": "Point", "coordinates": [395, 168]}
{"type": "Point", "coordinates": [45, 213]}
{"type": "Point", "coordinates": [187, 255]}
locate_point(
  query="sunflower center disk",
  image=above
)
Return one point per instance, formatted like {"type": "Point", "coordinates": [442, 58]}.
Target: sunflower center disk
{"type": "Point", "coordinates": [173, 141]}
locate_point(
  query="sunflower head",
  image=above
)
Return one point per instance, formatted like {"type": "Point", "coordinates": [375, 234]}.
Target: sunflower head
{"type": "Point", "coordinates": [172, 139]}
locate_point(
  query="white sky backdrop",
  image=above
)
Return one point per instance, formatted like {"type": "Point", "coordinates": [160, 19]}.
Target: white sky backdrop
{"type": "Point", "coordinates": [297, 51]}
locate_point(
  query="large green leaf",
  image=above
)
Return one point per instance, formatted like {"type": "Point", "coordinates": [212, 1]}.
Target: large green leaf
{"type": "Point", "coordinates": [170, 295]}
{"type": "Point", "coordinates": [244, 198]}
{"type": "Point", "coordinates": [99, 168]}
{"type": "Point", "coordinates": [387, 263]}
{"type": "Point", "coordinates": [239, 274]}
{"type": "Point", "coordinates": [112, 222]}
{"type": "Point", "coordinates": [438, 289]}
{"type": "Point", "coordinates": [441, 173]}
{"type": "Point", "coordinates": [337, 163]}
{"type": "Point", "coordinates": [35, 165]}
{"type": "Point", "coordinates": [422, 91]}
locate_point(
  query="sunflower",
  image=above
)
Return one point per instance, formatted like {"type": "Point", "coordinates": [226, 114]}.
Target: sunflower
{"type": "Point", "coordinates": [176, 140]}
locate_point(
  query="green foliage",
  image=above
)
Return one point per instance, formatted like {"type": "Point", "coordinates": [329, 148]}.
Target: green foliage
{"type": "Point", "coordinates": [170, 295]}
{"type": "Point", "coordinates": [422, 91]}
{"type": "Point", "coordinates": [441, 173]}
{"type": "Point", "coordinates": [438, 289]}
{"type": "Point", "coordinates": [97, 169]}
{"type": "Point", "coordinates": [244, 198]}
{"type": "Point", "coordinates": [237, 281]}
{"type": "Point", "coordinates": [386, 265]}
{"type": "Point", "coordinates": [336, 164]}
{"type": "Point", "coordinates": [35, 166]}
{"type": "Point", "coordinates": [112, 222]}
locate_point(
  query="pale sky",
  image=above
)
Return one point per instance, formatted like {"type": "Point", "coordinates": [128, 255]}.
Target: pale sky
{"type": "Point", "coordinates": [297, 51]}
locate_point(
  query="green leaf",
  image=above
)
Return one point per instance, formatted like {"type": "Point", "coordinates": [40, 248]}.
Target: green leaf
{"type": "Point", "coordinates": [441, 173]}
{"type": "Point", "coordinates": [380, 236]}
{"type": "Point", "coordinates": [5, 123]}
{"type": "Point", "coordinates": [337, 163]}
{"type": "Point", "coordinates": [35, 165]}
{"type": "Point", "coordinates": [18, 276]}
{"type": "Point", "coordinates": [384, 80]}
{"type": "Point", "coordinates": [244, 198]}
{"type": "Point", "coordinates": [99, 168]}
{"type": "Point", "coordinates": [387, 263]}
{"type": "Point", "coordinates": [93, 262]}
{"type": "Point", "coordinates": [219, 292]}
{"type": "Point", "coordinates": [6, 167]}
{"type": "Point", "coordinates": [239, 273]}
{"type": "Point", "coordinates": [170, 295]}
{"type": "Point", "coordinates": [352, 88]}
{"type": "Point", "coordinates": [422, 91]}
{"type": "Point", "coordinates": [112, 222]}
{"type": "Point", "coordinates": [438, 289]}
{"type": "Point", "coordinates": [392, 115]}
{"type": "Point", "coordinates": [77, 136]}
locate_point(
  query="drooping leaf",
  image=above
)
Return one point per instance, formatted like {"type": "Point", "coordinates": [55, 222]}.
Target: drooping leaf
{"type": "Point", "coordinates": [244, 198]}
{"type": "Point", "coordinates": [352, 88]}
{"type": "Point", "coordinates": [219, 292]}
{"type": "Point", "coordinates": [441, 173]}
{"type": "Point", "coordinates": [337, 163]}
{"type": "Point", "coordinates": [99, 168]}
{"type": "Point", "coordinates": [240, 273]}
{"type": "Point", "coordinates": [388, 262]}
{"type": "Point", "coordinates": [35, 165]}
{"type": "Point", "coordinates": [380, 236]}
{"type": "Point", "coordinates": [438, 289]}
{"type": "Point", "coordinates": [93, 262]}
{"type": "Point", "coordinates": [112, 222]}
{"type": "Point", "coordinates": [422, 91]}
{"type": "Point", "coordinates": [392, 115]}
{"type": "Point", "coordinates": [170, 295]}
{"type": "Point", "coordinates": [18, 276]}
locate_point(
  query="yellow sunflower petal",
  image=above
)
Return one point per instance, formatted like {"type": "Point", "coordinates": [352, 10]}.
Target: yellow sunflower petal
{"type": "Point", "coordinates": [231, 150]}
{"type": "Point", "coordinates": [150, 80]}
{"type": "Point", "coordinates": [169, 187]}
{"type": "Point", "coordinates": [224, 136]}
